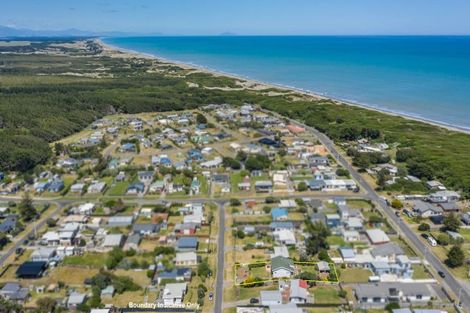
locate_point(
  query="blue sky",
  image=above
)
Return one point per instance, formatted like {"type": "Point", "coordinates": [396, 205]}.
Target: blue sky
{"type": "Point", "coordinates": [204, 17]}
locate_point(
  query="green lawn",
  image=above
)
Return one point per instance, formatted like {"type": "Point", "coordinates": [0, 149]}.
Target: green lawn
{"type": "Point", "coordinates": [117, 189]}
{"type": "Point", "coordinates": [326, 295]}
{"type": "Point", "coordinates": [97, 260]}
{"type": "Point", "coordinates": [359, 204]}
{"type": "Point", "coordinates": [335, 241]}
{"type": "Point", "coordinates": [355, 275]}
{"type": "Point", "coordinates": [419, 272]}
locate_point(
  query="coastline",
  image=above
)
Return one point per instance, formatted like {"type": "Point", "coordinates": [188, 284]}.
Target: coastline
{"type": "Point", "coordinates": [265, 85]}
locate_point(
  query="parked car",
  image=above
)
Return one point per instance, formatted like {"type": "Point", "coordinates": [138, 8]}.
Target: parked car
{"type": "Point", "coordinates": [432, 241]}
{"type": "Point", "coordinates": [254, 301]}
{"type": "Point", "coordinates": [211, 296]}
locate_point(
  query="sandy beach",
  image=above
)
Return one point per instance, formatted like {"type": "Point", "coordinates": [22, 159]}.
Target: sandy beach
{"type": "Point", "coordinates": [251, 84]}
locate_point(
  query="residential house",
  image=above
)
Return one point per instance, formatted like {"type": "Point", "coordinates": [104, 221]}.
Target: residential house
{"type": "Point", "coordinates": [113, 240]}
{"type": "Point", "coordinates": [85, 209]}
{"type": "Point", "coordinates": [296, 291]}
{"type": "Point", "coordinates": [77, 188]}
{"type": "Point", "coordinates": [31, 269]}
{"type": "Point", "coordinates": [135, 188]}
{"type": "Point", "coordinates": [279, 214]}
{"type": "Point", "coordinates": [8, 224]}
{"type": "Point", "coordinates": [145, 229]}
{"type": "Point", "coordinates": [108, 292]}
{"type": "Point", "coordinates": [278, 226]}
{"type": "Point", "coordinates": [157, 187]}
{"type": "Point", "coordinates": [387, 252]}
{"type": "Point", "coordinates": [75, 299]}
{"type": "Point", "coordinates": [56, 185]}
{"type": "Point", "coordinates": [14, 292]}
{"type": "Point", "coordinates": [377, 236]}
{"type": "Point", "coordinates": [323, 267]}
{"type": "Point", "coordinates": [177, 274]}
{"type": "Point", "coordinates": [333, 220]}
{"type": "Point", "coordinates": [263, 186]}
{"type": "Point", "coordinates": [285, 308]}
{"type": "Point", "coordinates": [282, 267]}
{"type": "Point", "coordinates": [120, 221]}
{"type": "Point", "coordinates": [425, 209]}
{"type": "Point", "coordinates": [45, 254]}
{"type": "Point", "coordinates": [51, 238]}
{"type": "Point", "coordinates": [174, 293]}
{"type": "Point", "coordinates": [284, 237]}
{"type": "Point", "coordinates": [186, 258]}
{"type": "Point", "coordinates": [280, 251]}
{"type": "Point", "coordinates": [378, 295]}
{"type": "Point", "coordinates": [443, 196]}
{"type": "Point", "coordinates": [270, 297]}
{"type": "Point", "coordinates": [187, 244]}
{"type": "Point", "coordinates": [145, 176]}
{"type": "Point", "coordinates": [128, 148]}
{"type": "Point", "coordinates": [96, 187]}
{"type": "Point", "coordinates": [132, 242]}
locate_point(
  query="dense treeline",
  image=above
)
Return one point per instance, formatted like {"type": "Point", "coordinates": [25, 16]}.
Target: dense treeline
{"type": "Point", "coordinates": [37, 106]}
{"type": "Point", "coordinates": [44, 98]}
{"type": "Point", "coordinates": [427, 151]}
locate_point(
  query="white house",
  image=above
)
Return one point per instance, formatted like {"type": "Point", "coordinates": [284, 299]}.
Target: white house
{"type": "Point", "coordinates": [174, 293]}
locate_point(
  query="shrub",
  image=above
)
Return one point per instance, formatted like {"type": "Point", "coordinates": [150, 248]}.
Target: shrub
{"type": "Point", "coordinates": [424, 227]}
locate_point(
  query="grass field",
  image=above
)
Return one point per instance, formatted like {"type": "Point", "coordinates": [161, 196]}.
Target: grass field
{"type": "Point", "coordinates": [355, 275]}
{"type": "Point", "coordinates": [326, 295]}
{"type": "Point", "coordinates": [97, 260]}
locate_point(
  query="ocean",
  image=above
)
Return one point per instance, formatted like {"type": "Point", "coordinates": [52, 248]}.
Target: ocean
{"type": "Point", "coordinates": [418, 76]}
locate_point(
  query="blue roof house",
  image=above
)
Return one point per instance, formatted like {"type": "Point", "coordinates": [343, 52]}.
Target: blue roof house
{"type": "Point", "coordinates": [56, 185]}
{"type": "Point", "coordinates": [279, 214]}
{"type": "Point", "coordinates": [187, 244]}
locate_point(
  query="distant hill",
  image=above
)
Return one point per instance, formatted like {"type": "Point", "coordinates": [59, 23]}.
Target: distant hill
{"type": "Point", "coordinates": [9, 32]}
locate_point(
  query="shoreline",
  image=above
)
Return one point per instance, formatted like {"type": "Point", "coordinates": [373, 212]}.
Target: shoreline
{"type": "Point", "coordinates": [189, 66]}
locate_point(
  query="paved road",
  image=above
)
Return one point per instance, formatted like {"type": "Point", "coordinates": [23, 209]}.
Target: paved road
{"type": "Point", "coordinates": [39, 224]}
{"type": "Point", "coordinates": [219, 285]}
{"type": "Point", "coordinates": [402, 227]}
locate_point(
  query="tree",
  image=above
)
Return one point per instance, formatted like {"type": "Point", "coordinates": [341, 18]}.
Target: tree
{"type": "Point", "coordinates": [201, 119]}
{"type": "Point", "coordinates": [26, 208]}
{"type": "Point", "coordinates": [317, 239]}
{"type": "Point", "coordinates": [203, 269]}
{"type": "Point", "coordinates": [45, 305]}
{"type": "Point", "coordinates": [302, 186]}
{"type": "Point", "coordinates": [382, 176]}
{"type": "Point", "coordinates": [420, 169]}
{"type": "Point", "coordinates": [443, 239]}
{"type": "Point", "coordinates": [307, 276]}
{"type": "Point", "coordinates": [51, 222]}
{"type": "Point", "coordinates": [455, 257]}
{"type": "Point", "coordinates": [7, 306]}
{"type": "Point", "coordinates": [235, 202]}
{"type": "Point", "coordinates": [397, 204]}
{"type": "Point", "coordinates": [405, 154]}
{"type": "Point", "coordinates": [3, 240]}
{"type": "Point", "coordinates": [451, 222]}
{"type": "Point", "coordinates": [424, 227]}
{"type": "Point", "coordinates": [230, 162]}
{"type": "Point", "coordinates": [342, 172]}
{"type": "Point", "coordinates": [392, 306]}
{"type": "Point", "coordinates": [240, 234]}
{"type": "Point", "coordinates": [258, 162]}
{"type": "Point", "coordinates": [361, 160]}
